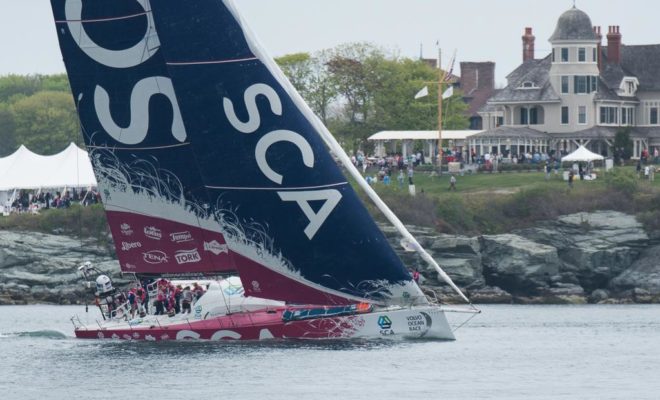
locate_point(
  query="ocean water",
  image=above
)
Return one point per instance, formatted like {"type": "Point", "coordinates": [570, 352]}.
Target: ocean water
{"type": "Point", "coordinates": [507, 352]}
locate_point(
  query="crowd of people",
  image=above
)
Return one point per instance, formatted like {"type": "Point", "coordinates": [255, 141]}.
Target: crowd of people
{"type": "Point", "coordinates": [31, 202]}
{"type": "Point", "coordinates": [160, 297]}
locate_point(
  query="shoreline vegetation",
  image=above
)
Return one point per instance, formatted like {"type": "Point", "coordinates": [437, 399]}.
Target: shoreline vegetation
{"type": "Point", "coordinates": [483, 204]}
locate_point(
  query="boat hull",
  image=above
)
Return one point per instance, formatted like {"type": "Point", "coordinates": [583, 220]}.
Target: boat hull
{"type": "Point", "coordinates": [416, 322]}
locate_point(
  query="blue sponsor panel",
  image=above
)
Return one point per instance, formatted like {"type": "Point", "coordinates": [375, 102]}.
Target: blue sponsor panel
{"type": "Point", "coordinates": [272, 183]}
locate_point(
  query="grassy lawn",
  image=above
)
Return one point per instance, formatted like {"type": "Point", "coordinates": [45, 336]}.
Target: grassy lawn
{"type": "Point", "coordinates": [498, 183]}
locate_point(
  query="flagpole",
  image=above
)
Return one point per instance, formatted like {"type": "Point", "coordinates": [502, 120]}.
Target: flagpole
{"type": "Point", "coordinates": [440, 79]}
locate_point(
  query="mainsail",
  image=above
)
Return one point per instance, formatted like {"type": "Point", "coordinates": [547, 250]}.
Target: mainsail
{"type": "Point", "coordinates": [196, 134]}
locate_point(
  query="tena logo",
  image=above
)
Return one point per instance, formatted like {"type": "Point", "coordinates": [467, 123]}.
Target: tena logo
{"type": "Point", "coordinates": [126, 229]}
{"type": "Point", "coordinates": [154, 257]}
{"type": "Point", "coordinates": [187, 256]}
{"type": "Point", "coordinates": [255, 286]}
{"type": "Point", "coordinates": [153, 233]}
{"type": "Point", "coordinates": [126, 246]}
{"type": "Point", "coordinates": [180, 237]}
{"type": "Point", "coordinates": [216, 248]}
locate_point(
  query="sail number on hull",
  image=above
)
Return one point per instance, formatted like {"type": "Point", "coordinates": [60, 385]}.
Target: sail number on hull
{"type": "Point", "coordinates": [141, 94]}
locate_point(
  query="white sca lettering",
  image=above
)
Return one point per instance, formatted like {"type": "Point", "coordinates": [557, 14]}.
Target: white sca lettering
{"type": "Point", "coordinates": [281, 136]}
{"type": "Point", "coordinates": [142, 51]}
{"type": "Point", "coordinates": [331, 197]}
{"type": "Point", "coordinates": [250, 97]}
{"type": "Point", "coordinates": [126, 58]}
{"type": "Point", "coordinates": [136, 132]}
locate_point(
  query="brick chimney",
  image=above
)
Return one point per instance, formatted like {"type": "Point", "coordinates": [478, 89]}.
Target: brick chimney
{"type": "Point", "coordinates": [528, 44]}
{"type": "Point", "coordinates": [614, 45]}
{"type": "Point", "coordinates": [599, 36]}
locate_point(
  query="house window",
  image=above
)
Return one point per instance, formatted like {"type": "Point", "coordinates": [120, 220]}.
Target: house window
{"type": "Point", "coordinates": [564, 85]}
{"type": "Point", "coordinates": [523, 116]}
{"type": "Point", "coordinates": [564, 115]}
{"type": "Point", "coordinates": [533, 116]}
{"type": "Point", "coordinates": [582, 115]}
{"type": "Point", "coordinates": [553, 55]}
{"type": "Point", "coordinates": [500, 121]}
{"type": "Point", "coordinates": [609, 115]}
{"type": "Point", "coordinates": [627, 116]}
{"type": "Point", "coordinates": [564, 54]}
{"type": "Point", "coordinates": [593, 83]}
{"type": "Point", "coordinates": [653, 120]}
{"type": "Point", "coordinates": [580, 84]}
{"type": "Point", "coordinates": [594, 56]}
{"type": "Point", "coordinates": [582, 54]}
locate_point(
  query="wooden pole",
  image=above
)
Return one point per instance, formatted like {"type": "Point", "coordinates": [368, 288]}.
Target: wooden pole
{"type": "Point", "coordinates": [441, 77]}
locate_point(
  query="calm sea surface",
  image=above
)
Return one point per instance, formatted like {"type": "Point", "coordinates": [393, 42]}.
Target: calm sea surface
{"type": "Point", "coordinates": [508, 352]}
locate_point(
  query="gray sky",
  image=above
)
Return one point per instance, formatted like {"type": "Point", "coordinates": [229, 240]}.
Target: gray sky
{"type": "Point", "coordinates": [480, 30]}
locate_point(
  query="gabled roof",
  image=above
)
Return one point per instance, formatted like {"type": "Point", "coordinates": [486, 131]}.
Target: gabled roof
{"type": "Point", "coordinates": [642, 62]}
{"type": "Point", "coordinates": [535, 72]}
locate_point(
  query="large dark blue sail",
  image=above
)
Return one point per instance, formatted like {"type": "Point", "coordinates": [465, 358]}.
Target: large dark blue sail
{"type": "Point", "coordinates": [157, 206]}
{"type": "Point", "coordinates": [295, 225]}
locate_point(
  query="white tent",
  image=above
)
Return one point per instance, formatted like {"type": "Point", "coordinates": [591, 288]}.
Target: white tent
{"type": "Point", "coordinates": [582, 154]}
{"type": "Point", "coordinates": [26, 170]}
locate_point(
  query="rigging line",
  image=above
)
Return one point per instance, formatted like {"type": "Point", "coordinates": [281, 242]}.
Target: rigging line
{"type": "Point", "coordinates": [465, 322]}
{"type": "Point", "coordinates": [228, 61]}
{"type": "Point", "coordinates": [140, 148]}
{"type": "Point", "coordinates": [66, 21]}
{"type": "Point", "coordinates": [276, 188]}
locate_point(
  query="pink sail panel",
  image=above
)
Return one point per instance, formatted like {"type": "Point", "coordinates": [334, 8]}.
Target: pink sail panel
{"type": "Point", "coordinates": [260, 281]}
{"type": "Point", "coordinates": [157, 246]}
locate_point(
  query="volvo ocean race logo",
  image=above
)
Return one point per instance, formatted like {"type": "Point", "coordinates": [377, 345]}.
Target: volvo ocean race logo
{"type": "Point", "coordinates": [126, 246]}
{"type": "Point", "coordinates": [216, 248]}
{"type": "Point", "coordinates": [187, 256]}
{"type": "Point", "coordinates": [154, 257]}
{"type": "Point", "coordinates": [180, 237]}
{"type": "Point", "coordinates": [126, 229]}
{"type": "Point", "coordinates": [152, 232]}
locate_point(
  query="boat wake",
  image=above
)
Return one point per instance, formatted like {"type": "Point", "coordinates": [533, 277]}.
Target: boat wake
{"type": "Point", "coordinates": [44, 334]}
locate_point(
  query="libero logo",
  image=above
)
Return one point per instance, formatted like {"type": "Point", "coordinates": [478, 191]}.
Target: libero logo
{"type": "Point", "coordinates": [126, 246]}
{"type": "Point", "coordinates": [153, 233]}
{"type": "Point", "coordinates": [154, 257]}
{"type": "Point", "coordinates": [180, 237]}
{"type": "Point", "coordinates": [187, 256]}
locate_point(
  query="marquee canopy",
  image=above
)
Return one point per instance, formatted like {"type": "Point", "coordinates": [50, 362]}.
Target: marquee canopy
{"type": "Point", "coordinates": [26, 170]}
{"type": "Point", "coordinates": [582, 154]}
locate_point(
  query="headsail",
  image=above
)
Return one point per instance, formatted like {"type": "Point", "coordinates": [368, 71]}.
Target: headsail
{"type": "Point", "coordinates": [284, 206]}
{"type": "Point", "coordinates": [156, 203]}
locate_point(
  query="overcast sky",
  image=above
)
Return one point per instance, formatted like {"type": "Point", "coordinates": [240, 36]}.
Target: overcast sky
{"type": "Point", "coordinates": [480, 30]}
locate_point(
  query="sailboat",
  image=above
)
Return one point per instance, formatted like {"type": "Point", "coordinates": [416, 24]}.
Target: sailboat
{"type": "Point", "coordinates": [211, 166]}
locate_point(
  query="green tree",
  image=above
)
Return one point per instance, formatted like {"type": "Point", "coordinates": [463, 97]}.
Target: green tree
{"type": "Point", "coordinates": [623, 145]}
{"type": "Point", "coordinates": [46, 122]}
{"type": "Point", "coordinates": [309, 75]}
{"type": "Point", "coordinates": [7, 131]}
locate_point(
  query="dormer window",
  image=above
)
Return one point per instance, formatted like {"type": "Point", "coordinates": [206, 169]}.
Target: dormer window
{"type": "Point", "coordinates": [628, 86]}
{"type": "Point", "coordinates": [564, 54]}
{"type": "Point", "coordinates": [528, 85]}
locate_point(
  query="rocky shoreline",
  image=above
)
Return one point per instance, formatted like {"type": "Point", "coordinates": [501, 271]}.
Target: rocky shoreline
{"type": "Point", "coordinates": [602, 257]}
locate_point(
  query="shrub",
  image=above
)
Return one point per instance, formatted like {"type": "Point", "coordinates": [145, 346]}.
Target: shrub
{"type": "Point", "coordinates": [622, 180]}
